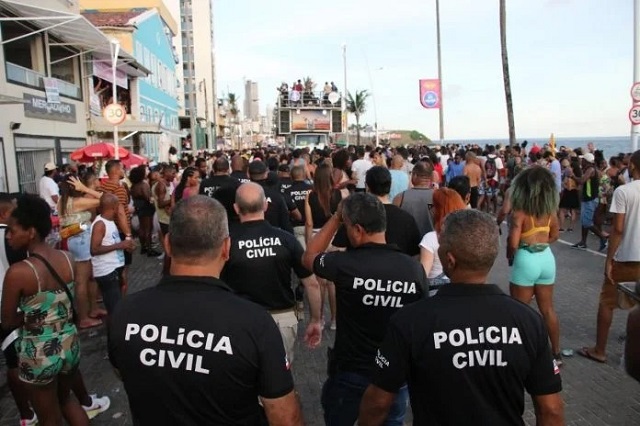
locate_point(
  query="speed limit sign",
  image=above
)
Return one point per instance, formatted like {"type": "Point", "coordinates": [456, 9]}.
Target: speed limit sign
{"type": "Point", "coordinates": [114, 114]}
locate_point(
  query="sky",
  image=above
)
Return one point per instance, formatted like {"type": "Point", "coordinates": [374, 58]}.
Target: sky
{"type": "Point", "coordinates": [571, 61]}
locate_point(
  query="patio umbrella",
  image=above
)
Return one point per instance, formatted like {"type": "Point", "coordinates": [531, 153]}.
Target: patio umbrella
{"type": "Point", "coordinates": [98, 151]}
{"type": "Point", "coordinates": [134, 160]}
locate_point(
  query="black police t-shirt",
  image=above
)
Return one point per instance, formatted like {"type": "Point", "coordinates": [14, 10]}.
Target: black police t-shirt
{"type": "Point", "coordinates": [190, 352]}
{"type": "Point", "coordinates": [260, 263]}
{"type": "Point", "coordinates": [298, 192]}
{"type": "Point", "coordinates": [372, 282]}
{"type": "Point", "coordinates": [241, 176]}
{"type": "Point", "coordinates": [210, 185]}
{"type": "Point", "coordinates": [468, 353]}
{"type": "Point", "coordinates": [284, 183]}
{"type": "Point", "coordinates": [278, 209]}
{"type": "Point", "coordinates": [402, 231]}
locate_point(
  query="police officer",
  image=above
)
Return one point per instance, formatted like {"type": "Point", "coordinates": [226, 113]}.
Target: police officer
{"type": "Point", "coordinates": [219, 179]}
{"type": "Point", "coordinates": [471, 343]}
{"type": "Point", "coordinates": [260, 263]}
{"type": "Point", "coordinates": [278, 211]}
{"type": "Point", "coordinates": [372, 281]}
{"type": "Point", "coordinates": [191, 352]}
{"type": "Point", "coordinates": [297, 192]}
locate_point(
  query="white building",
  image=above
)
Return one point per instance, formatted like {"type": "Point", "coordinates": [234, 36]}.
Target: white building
{"type": "Point", "coordinates": [251, 102]}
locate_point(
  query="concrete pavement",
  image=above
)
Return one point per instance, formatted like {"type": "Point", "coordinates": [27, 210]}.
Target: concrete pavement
{"type": "Point", "coordinates": [595, 394]}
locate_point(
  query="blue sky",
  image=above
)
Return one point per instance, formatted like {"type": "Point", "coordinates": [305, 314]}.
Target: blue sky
{"type": "Point", "coordinates": [571, 60]}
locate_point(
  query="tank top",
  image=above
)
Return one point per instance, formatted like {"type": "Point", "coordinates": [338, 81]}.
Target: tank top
{"type": "Point", "coordinates": [163, 215]}
{"type": "Point", "coordinates": [105, 264]}
{"type": "Point", "coordinates": [344, 191]}
{"type": "Point", "coordinates": [418, 202]}
{"type": "Point", "coordinates": [590, 188]}
{"type": "Point", "coordinates": [318, 215]}
{"type": "Point", "coordinates": [74, 218]}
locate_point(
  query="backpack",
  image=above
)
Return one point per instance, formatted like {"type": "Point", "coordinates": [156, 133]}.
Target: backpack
{"type": "Point", "coordinates": [490, 167]}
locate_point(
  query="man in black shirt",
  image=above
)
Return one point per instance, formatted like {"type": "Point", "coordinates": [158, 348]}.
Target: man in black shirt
{"type": "Point", "coordinates": [372, 281]}
{"type": "Point", "coordinates": [298, 192]}
{"type": "Point", "coordinates": [468, 353]}
{"type": "Point", "coordinates": [402, 229]}
{"type": "Point", "coordinates": [284, 178]}
{"type": "Point", "coordinates": [239, 169]}
{"type": "Point", "coordinates": [259, 268]}
{"type": "Point", "coordinates": [219, 179]}
{"type": "Point", "coordinates": [191, 352]}
{"type": "Point", "coordinates": [278, 211]}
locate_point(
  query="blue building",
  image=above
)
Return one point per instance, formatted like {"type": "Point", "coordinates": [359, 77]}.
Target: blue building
{"type": "Point", "coordinates": [152, 47]}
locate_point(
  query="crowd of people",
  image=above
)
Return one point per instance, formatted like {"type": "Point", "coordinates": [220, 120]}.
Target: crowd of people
{"type": "Point", "coordinates": [398, 242]}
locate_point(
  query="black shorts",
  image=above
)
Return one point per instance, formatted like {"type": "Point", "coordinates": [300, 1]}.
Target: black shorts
{"type": "Point", "coordinates": [128, 256]}
{"type": "Point", "coordinates": [164, 227]}
{"type": "Point", "coordinates": [10, 354]}
{"type": "Point", "coordinates": [475, 194]}
{"type": "Point", "coordinates": [144, 208]}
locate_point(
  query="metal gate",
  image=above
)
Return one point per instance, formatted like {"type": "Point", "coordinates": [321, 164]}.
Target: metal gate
{"type": "Point", "coordinates": [31, 168]}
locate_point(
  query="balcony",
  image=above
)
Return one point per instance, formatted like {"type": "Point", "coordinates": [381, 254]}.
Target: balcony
{"type": "Point", "coordinates": [307, 100]}
{"type": "Point", "coordinates": [31, 78]}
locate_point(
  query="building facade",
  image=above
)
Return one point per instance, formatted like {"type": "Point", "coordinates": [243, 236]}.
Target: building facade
{"type": "Point", "coordinates": [44, 92]}
{"type": "Point", "coordinates": [251, 101]}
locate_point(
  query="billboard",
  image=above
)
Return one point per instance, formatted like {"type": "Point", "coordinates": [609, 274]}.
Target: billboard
{"type": "Point", "coordinates": [430, 93]}
{"type": "Point", "coordinates": [307, 120]}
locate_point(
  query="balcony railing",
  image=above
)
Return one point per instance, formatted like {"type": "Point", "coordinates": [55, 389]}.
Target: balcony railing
{"type": "Point", "coordinates": [31, 78]}
{"type": "Point", "coordinates": [293, 99]}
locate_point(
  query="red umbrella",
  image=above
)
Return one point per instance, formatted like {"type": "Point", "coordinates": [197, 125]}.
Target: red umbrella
{"type": "Point", "coordinates": [101, 150]}
{"type": "Point", "coordinates": [134, 160]}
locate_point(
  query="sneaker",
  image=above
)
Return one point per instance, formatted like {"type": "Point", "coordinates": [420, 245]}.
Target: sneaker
{"type": "Point", "coordinates": [333, 326]}
{"type": "Point", "coordinates": [98, 405]}
{"type": "Point", "coordinates": [29, 422]}
{"type": "Point", "coordinates": [604, 242]}
{"type": "Point", "coordinates": [561, 230]}
{"type": "Point", "coordinates": [579, 246]}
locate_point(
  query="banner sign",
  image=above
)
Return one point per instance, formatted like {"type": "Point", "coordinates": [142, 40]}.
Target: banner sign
{"type": "Point", "coordinates": [51, 90]}
{"type": "Point", "coordinates": [310, 120]}
{"type": "Point", "coordinates": [104, 71]}
{"type": "Point", "coordinates": [38, 107]}
{"type": "Point", "coordinates": [430, 93]}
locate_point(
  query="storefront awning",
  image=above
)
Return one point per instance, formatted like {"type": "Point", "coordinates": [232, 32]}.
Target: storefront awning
{"type": "Point", "coordinates": [70, 29]}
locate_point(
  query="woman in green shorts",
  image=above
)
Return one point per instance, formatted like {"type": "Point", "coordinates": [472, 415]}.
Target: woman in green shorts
{"type": "Point", "coordinates": [48, 345]}
{"type": "Point", "coordinates": [534, 225]}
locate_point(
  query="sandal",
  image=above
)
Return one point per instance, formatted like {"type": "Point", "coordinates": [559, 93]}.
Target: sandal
{"type": "Point", "coordinates": [586, 352]}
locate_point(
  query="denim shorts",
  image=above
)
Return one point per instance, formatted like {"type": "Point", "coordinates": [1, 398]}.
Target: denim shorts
{"type": "Point", "coordinates": [587, 210]}
{"type": "Point", "coordinates": [80, 246]}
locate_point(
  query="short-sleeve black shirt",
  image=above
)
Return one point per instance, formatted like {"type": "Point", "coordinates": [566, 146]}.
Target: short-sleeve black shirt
{"type": "Point", "coordinates": [472, 344]}
{"type": "Point", "coordinates": [372, 282]}
{"type": "Point", "coordinates": [191, 352]}
{"type": "Point", "coordinates": [210, 185]}
{"type": "Point", "coordinates": [284, 183]}
{"type": "Point", "coordinates": [298, 192]}
{"type": "Point", "coordinates": [402, 231]}
{"type": "Point", "coordinates": [277, 212]}
{"type": "Point", "coordinates": [260, 263]}
{"type": "Point", "coordinates": [241, 176]}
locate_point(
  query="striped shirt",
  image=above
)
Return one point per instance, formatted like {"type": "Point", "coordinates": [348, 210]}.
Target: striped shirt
{"type": "Point", "coordinates": [119, 190]}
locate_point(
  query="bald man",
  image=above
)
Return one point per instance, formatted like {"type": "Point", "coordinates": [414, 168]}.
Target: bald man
{"type": "Point", "coordinates": [239, 168]}
{"type": "Point", "coordinates": [107, 251]}
{"type": "Point", "coordinates": [399, 177]}
{"type": "Point", "coordinates": [259, 267]}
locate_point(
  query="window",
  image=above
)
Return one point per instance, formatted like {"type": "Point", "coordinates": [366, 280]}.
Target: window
{"type": "Point", "coordinates": [142, 114]}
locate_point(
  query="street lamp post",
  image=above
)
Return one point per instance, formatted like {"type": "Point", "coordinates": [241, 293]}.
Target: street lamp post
{"type": "Point", "coordinates": [346, 93]}
{"type": "Point", "coordinates": [206, 112]}
{"type": "Point", "coordinates": [441, 109]}
{"type": "Point", "coordinates": [635, 130]}
{"type": "Point", "coordinates": [115, 50]}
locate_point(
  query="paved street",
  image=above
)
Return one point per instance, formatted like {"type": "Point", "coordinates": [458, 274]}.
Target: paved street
{"type": "Point", "coordinates": [595, 394]}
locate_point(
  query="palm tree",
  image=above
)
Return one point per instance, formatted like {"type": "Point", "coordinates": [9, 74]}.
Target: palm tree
{"type": "Point", "coordinates": [357, 106]}
{"type": "Point", "coordinates": [232, 107]}
{"type": "Point", "coordinates": [505, 72]}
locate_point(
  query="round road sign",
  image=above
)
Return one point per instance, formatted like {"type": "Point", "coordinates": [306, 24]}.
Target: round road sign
{"type": "Point", "coordinates": [115, 114]}
{"type": "Point", "coordinates": [430, 99]}
{"type": "Point", "coordinates": [635, 92]}
{"type": "Point", "coordinates": [634, 115]}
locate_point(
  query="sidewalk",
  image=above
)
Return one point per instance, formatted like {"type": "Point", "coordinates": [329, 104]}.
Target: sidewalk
{"type": "Point", "coordinates": [595, 394]}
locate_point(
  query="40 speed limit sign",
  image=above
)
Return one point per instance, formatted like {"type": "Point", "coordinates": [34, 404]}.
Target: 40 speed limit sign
{"type": "Point", "coordinates": [115, 114]}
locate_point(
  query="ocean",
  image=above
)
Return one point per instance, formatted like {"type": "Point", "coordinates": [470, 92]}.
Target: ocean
{"type": "Point", "coordinates": [610, 145]}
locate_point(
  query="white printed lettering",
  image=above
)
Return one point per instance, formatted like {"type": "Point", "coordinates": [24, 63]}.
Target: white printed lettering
{"type": "Point", "coordinates": [164, 338]}
{"type": "Point", "coordinates": [456, 360]}
{"type": "Point", "coordinates": [144, 333]}
{"type": "Point", "coordinates": [456, 338]}
{"type": "Point", "coordinates": [492, 334]}
{"type": "Point", "coordinates": [143, 357]}
{"type": "Point", "coordinates": [131, 330]}
{"type": "Point", "coordinates": [515, 337]}
{"type": "Point", "coordinates": [438, 338]}
{"type": "Point", "coordinates": [224, 345]}
{"type": "Point", "coordinates": [191, 336]}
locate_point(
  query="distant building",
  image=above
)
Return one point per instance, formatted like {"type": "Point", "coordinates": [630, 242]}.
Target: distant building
{"type": "Point", "coordinates": [251, 101]}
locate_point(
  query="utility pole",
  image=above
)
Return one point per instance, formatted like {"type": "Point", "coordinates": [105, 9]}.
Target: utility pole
{"type": "Point", "coordinates": [346, 94]}
{"type": "Point", "coordinates": [115, 46]}
{"type": "Point", "coordinates": [635, 130]}
{"type": "Point", "coordinates": [441, 109]}
{"type": "Point", "coordinates": [192, 75]}
{"type": "Point", "coordinates": [203, 83]}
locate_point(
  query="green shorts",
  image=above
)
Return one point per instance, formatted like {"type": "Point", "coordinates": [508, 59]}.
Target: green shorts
{"type": "Point", "coordinates": [531, 269]}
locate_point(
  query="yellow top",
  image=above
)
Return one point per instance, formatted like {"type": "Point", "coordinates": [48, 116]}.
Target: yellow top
{"type": "Point", "coordinates": [535, 229]}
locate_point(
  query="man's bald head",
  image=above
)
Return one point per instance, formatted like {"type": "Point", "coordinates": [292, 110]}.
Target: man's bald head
{"type": "Point", "coordinates": [250, 199]}
{"type": "Point", "coordinates": [237, 163]}
{"type": "Point", "coordinates": [297, 173]}
{"type": "Point", "coordinates": [397, 162]}
{"type": "Point", "coordinates": [221, 165]}
{"type": "Point", "coordinates": [108, 200]}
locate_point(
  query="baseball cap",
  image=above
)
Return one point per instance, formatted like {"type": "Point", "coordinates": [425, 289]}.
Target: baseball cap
{"type": "Point", "coordinates": [257, 167]}
{"type": "Point", "coordinates": [49, 167]}
{"type": "Point", "coordinates": [589, 158]}
{"type": "Point", "coordinates": [535, 149]}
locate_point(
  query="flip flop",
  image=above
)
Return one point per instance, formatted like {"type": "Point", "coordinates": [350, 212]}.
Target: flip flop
{"type": "Point", "coordinates": [587, 354]}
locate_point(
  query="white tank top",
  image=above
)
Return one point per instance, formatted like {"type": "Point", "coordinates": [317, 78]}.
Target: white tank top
{"type": "Point", "coordinates": [105, 264]}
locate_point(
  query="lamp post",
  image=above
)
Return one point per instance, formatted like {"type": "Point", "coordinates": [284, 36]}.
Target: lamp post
{"type": "Point", "coordinates": [206, 112]}
{"type": "Point", "coordinates": [635, 130]}
{"type": "Point", "coordinates": [441, 109]}
{"type": "Point", "coordinates": [346, 93]}
{"type": "Point", "coordinates": [115, 50]}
